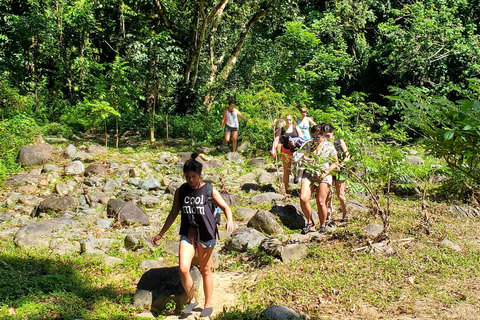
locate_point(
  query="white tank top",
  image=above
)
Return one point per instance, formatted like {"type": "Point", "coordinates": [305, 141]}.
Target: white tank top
{"type": "Point", "coordinates": [232, 119]}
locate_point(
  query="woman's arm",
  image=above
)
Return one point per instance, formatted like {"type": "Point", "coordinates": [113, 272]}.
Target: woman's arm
{"type": "Point", "coordinates": [241, 115]}
{"type": "Point", "coordinates": [299, 132]}
{"type": "Point", "coordinates": [170, 218]}
{"type": "Point", "coordinates": [310, 120]}
{"type": "Point", "coordinates": [276, 140]}
{"type": "Point", "coordinates": [333, 165]}
{"type": "Point", "coordinates": [217, 197]}
{"type": "Point", "coordinates": [224, 121]}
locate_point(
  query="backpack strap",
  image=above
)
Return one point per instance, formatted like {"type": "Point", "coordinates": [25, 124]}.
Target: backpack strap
{"type": "Point", "coordinates": [212, 206]}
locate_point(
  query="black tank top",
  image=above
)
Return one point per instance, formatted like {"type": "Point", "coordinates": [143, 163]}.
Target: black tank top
{"type": "Point", "coordinates": [196, 213]}
{"type": "Point", "coordinates": [284, 137]}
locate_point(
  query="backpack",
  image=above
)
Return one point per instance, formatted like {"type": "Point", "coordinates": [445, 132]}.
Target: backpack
{"type": "Point", "coordinates": [213, 206]}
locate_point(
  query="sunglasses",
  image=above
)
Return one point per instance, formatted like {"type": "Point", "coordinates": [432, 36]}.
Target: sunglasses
{"type": "Point", "coordinates": [318, 138]}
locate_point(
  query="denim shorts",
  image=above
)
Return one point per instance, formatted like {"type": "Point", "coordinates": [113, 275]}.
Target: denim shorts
{"type": "Point", "coordinates": [204, 244]}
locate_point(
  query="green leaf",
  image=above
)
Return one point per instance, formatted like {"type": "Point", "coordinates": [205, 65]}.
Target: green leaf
{"type": "Point", "coordinates": [476, 106]}
{"type": "Point", "coordinates": [467, 127]}
{"type": "Point", "coordinates": [448, 135]}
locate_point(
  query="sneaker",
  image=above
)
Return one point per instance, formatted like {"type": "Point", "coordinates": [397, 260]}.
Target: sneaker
{"type": "Point", "coordinates": [344, 219]}
{"type": "Point", "coordinates": [310, 227]}
{"type": "Point", "coordinates": [189, 308]}
{"type": "Point", "coordinates": [322, 229]}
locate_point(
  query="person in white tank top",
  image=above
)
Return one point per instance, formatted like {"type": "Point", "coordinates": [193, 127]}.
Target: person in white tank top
{"type": "Point", "coordinates": [230, 120]}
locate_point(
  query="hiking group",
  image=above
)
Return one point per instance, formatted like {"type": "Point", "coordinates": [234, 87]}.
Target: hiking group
{"type": "Point", "coordinates": [308, 145]}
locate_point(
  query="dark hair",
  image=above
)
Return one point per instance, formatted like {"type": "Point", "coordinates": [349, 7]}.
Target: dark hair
{"type": "Point", "coordinates": [192, 165]}
{"type": "Point", "coordinates": [328, 127]}
{"type": "Point", "coordinates": [318, 128]}
{"type": "Point", "coordinates": [231, 100]}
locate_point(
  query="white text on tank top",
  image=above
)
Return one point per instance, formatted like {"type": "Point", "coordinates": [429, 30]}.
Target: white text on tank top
{"type": "Point", "coordinates": [232, 119]}
{"type": "Point", "coordinates": [193, 205]}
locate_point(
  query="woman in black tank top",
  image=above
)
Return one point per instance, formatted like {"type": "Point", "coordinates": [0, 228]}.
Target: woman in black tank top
{"type": "Point", "coordinates": [197, 231]}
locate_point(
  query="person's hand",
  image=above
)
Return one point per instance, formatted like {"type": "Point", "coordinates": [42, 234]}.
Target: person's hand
{"type": "Point", "coordinates": [230, 226]}
{"type": "Point", "coordinates": [155, 238]}
{"type": "Point", "coordinates": [273, 153]}
{"type": "Point", "coordinates": [219, 130]}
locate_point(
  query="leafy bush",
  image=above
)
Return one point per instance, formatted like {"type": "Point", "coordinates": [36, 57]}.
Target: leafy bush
{"type": "Point", "coordinates": [14, 134]}
{"type": "Point", "coordinates": [57, 129]}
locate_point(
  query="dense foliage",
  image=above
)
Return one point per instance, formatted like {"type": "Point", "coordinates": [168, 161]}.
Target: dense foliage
{"type": "Point", "coordinates": [166, 67]}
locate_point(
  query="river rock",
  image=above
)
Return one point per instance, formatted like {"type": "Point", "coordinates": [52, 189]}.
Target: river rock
{"type": "Point", "coordinates": [243, 239]}
{"type": "Point", "coordinates": [293, 252]}
{"type": "Point", "coordinates": [75, 168]}
{"type": "Point", "coordinates": [36, 234]}
{"type": "Point", "coordinates": [264, 221]}
{"type": "Point", "coordinates": [37, 154]}
{"type": "Point", "coordinates": [126, 212]}
{"type": "Point", "coordinates": [244, 214]}
{"type": "Point", "coordinates": [96, 149]}
{"type": "Point", "coordinates": [158, 286]}
{"type": "Point", "coordinates": [280, 313]}
{"type": "Point", "coordinates": [265, 197]}
{"type": "Point", "coordinates": [95, 170]}
{"type": "Point", "coordinates": [56, 205]}
{"type": "Point", "coordinates": [150, 184]}
{"type": "Point", "coordinates": [234, 157]}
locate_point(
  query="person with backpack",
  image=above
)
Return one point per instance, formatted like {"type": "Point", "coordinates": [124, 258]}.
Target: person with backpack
{"type": "Point", "coordinates": [197, 201]}
{"type": "Point", "coordinates": [318, 177]}
{"type": "Point", "coordinates": [340, 176]}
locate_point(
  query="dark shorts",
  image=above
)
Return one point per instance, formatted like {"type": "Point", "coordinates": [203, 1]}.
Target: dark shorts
{"type": "Point", "coordinates": [230, 129]}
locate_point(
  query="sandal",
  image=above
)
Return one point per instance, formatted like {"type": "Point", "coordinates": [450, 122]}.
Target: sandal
{"type": "Point", "coordinates": [310, 227]}
{"type": "Point", "coordinates": [322, 229]}
{"type": "Point", "coordinates": [206, 312]}
{"type": "Point", "coordinates": [344, 219]}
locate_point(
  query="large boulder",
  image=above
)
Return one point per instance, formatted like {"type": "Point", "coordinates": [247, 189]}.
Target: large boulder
{"type": "Point", "coordinates": [126, 212]}
{"type": "Point", "coordinates": [291, 215]}
{"type": "Point", "coordinates": [159, 286]}
{"type": "Point", "coordinates": [95, 170]}
{"type": "Point", "coordinates": [280, 313]}
{"type": "Point", "coordinates": [264, 221]}
{"type": "Point", "coordinates": [37, 154]}
{"type": "Point", "coordinates": [75, 168]}
{"type": "Point", "coordinates": [56, 205]}
{"type": "Point", "coordinates": [38, 233]}
{"type": "Point", "coordinates": [243, 239]}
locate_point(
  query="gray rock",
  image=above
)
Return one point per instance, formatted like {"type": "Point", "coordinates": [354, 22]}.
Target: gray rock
{"type": "Point", "coordinates": [265, 177]}
{"type": "Point", "coordinates": [234, 157]}
{"type": "Point", "coordinates": [96, 149]}
{"type": "Point", "coordinates": [134, 181]}
{"type": "Point", "coordinates": [75, 168]}
{"type": "Point", "coordinates": [354, 205]}
{"type": "Point", "coordinates": [111, 185]}
{"type": "Point", "coordinates": [243, 239]}
{"type": "Point", "coordinates": [291, 215]}
{"type": "Point", "coordinates": [451, 245]}
{"type": "Point", "coordinates": [215, 163]}
{"type": "Point", "coordinates": [151, 264]}
{"type": "Point", "coordinates": [62, 189]}
{"type": "Point", "coordinates": [105, 223]}
{"type": "Point", "coordinates": [230, 199]}
{"type": "Point", "coordinates": [243, 146]}
{"type": "Point", "coordinates": [134, 241]}
{"type": "Point", "coordinates": [22, 178]}
{"type": "Point", "coordinates": [158, 286]}
{"type": "Point", "coordinates": [150, 184]}
{"type": "Point", "coordinates": [37, 154]}
{"type": "Point", "coordinates": [56, 205]}
{"type": "Point", "coordinates": [29, 200]}
{"type": "Point", "coordinates": [135, 194]}
{"type": "Point", "coordinates": [94, 182]}
{"type": "Point", "coordinates": [95, 170]}
{"type": "Point", "coordinates": [173, 186]}
{"type": "Point", "coordinates": [264, 221]}
{"type": "Point", "coordinates": [244, 213]}
{"type": "Point", "coordinates": [272, 246]}
{"type": "Point", "coordinates": [373, 230]}
{"type": "Point", "coordinates": [111, 261]}
{"type": "Point", "coordinates": [171, 248]}
{"type": "Point", "coordinates": [294, 252]}
{"type": "Point", "coordinates": [265, 197]}
{"type": "Point", "coordinates": [50, 167]}
{"type": "Point", "coordinates": [126, 212]}
{"type": "Point", "coordinates": [34, 234]}
{"type": "Point", "coordinates": [259, 162]}
{"type": "Point", "coordinates": [95, 197]}
{"type": "Point", "coordinates": [70, 151]}
{"type": "Point", "coordinates": [166, 158]}
{"type": "Point", "coordinates": [83, 156]}
{"type": "Point", "coordinates": [246, 178]}
{"type": "Point", "coordinates": [96, 246]}
{"type": "Point", "coordinates": [113, 165]}
{"type": "Point", "coordinates": [64, 248]}
{"type": "Point", "coordinates": [149, 201]}
{"type": "Point", "coordinates": [280, 313]}
{"type": "Point", "coordinates": [404, 186]}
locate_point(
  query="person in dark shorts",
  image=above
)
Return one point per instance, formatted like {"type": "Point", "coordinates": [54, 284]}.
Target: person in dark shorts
{"type": "Point", "coordinates": [230, 121]}
{"type": "Point", "coordinates": [198, 231]}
